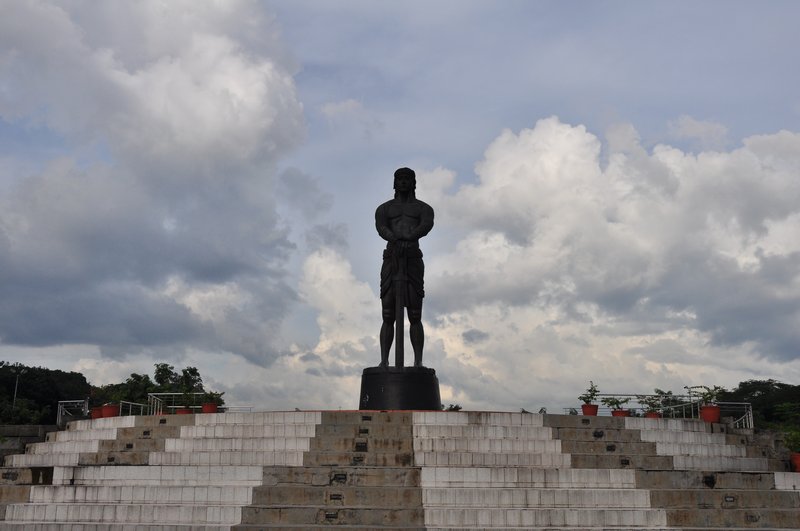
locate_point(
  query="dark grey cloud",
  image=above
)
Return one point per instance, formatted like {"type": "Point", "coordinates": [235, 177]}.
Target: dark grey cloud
{"type": "Point", "coordinates": [474, 335]}
{"type": "Point", "coordinates": [168, 234]}
{"type": "Point", "coordinates": [302, 192]}
{"type": "Point", "coordinates": [333, 235]}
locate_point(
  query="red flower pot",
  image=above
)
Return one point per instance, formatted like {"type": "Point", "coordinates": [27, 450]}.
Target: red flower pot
{"type": "Point", "coordinates": [110, 410]}
{"type": "Point", "coordinates": [183, 411]}
{"type": "Point", "coordinates": [794, 458]}
{"type": "Point", "coordinates": [620, 412]}
{"type": "Point", "coordinates": [97, 412]}
{"type": "Point", "coordinates": [209, 407]}
{"type": "Point", "coordinates": [590, 410]}
{"type": "Point", "coordinates": [710, 413]}
{"type": "Point", "coordinates": [652, 415]}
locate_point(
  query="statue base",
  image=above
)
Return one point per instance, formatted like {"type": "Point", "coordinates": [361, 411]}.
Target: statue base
{"type": "Point", "coordinates": [400, 388]}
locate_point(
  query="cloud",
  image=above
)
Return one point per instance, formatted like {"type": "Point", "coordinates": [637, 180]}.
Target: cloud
{"type": "Point", "coordinates": [563, 259]}
{"type": "Point", "coordinates": [168, 237]}
{"type": "Point", "coordinates": [351, 114]}
{"type": "Point", "coordinates": [708, 135]}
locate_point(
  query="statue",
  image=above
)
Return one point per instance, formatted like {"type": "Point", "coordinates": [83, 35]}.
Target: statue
{"type": "Point", "coordinates": [402, 221]}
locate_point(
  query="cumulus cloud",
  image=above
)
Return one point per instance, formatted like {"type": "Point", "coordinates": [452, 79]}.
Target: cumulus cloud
{"type": "Point", "coordinates": [170, 237]}
{"type": "Point", "coordinates": [567, 261]}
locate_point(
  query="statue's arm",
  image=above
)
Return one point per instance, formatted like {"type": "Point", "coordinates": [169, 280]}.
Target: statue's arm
{"type": "Point", "coordinates": [382, 225]}
{"type": "Point", "coordinates": [425, 223]}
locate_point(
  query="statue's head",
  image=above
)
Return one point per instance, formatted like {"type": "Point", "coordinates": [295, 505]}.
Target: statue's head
{"type": "Point", "coordinates": [406, 178]}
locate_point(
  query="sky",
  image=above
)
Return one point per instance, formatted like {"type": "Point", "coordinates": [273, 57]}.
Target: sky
{"type": "Point", "coordinates": [615, 184]}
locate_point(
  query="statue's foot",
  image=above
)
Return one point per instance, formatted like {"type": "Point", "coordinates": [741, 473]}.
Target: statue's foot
{"type": "Point", "coordinates": [384, 365]}
{"type": "Point", "coordinates": [417, 364]}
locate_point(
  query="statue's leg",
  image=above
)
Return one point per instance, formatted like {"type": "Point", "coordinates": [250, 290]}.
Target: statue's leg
{"type": "Point", "coordinates": [387, 328]}
{"type": "Point", "coordinates": [415, 329]}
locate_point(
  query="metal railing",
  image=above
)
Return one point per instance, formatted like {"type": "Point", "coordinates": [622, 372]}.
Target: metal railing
{"type": "Point", "coordinates": [682, 407]}
{"type": "Point", "coordinates": [132, 408]}
{"type": "Point", "coordinates": [71, 410]}
{"type": "Point", "coordinates": [159, 403]}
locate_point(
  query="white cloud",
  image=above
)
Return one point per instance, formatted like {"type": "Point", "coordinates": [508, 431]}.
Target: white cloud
{"type": "Point", "coordinates": [709, 135]}
{"type": "Point", "coordinates": [568, 267]}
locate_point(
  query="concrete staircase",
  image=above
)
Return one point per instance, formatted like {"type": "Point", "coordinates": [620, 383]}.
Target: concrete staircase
{"type": "Point", "coordinates": [397, 470]}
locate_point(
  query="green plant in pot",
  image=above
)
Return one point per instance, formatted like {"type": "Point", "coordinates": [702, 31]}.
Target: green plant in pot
{"type": "Point", "coordinates": [588, 397]}
{"type": "Point", "coordinates": [653, 404]}
{"type": "Point", "coordinates": [708, 396]}
{"type": "Point", "coordinates": [792, 441]}
{"type": "Point", "coordinates": [616, 403]}
{"type": "Point", "coordinates": [211, 401]}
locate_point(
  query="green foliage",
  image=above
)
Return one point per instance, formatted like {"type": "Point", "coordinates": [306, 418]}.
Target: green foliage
{"type": "Point", "coordinates": [792, 440]}
{"type": "Point", "coordinates": [707, 395]}
{"type": "Point", "coordinates": [165, 380]}
{"type": "Point", "coordinates": [614, 402]}
{"type": "Point", "coordinates": [776, 405]}
{"type": "Point", "coordinates": [38, 392]}
{"type": "Point", "coordinates": [590, 394]}
{"type": "Point", "coordinates": [657, 401]}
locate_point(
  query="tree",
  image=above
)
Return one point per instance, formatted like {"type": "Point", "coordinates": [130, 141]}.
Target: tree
{"type": "Point", "coordinates": [775, 404]}
{"type": "Point", "coordinates": [38, 391]}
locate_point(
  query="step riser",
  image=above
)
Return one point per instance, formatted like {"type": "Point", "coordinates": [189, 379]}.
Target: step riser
{"type": "Point", "coordinates": [332, 516]}
{"type": "Point", "coordinates": [390, 497]}
{"type": "Point", "coordinates": [344, 476]}
{"type": "Point", "coordinates": [725, 499]}
{"type": "Point", "coordinates": [121, 513]}
{"type": "Point", "coordinates": [726, 519]}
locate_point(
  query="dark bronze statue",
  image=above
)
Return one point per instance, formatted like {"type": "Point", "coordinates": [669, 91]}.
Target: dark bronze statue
{"type": "Point", "coordinates": [402, 221]}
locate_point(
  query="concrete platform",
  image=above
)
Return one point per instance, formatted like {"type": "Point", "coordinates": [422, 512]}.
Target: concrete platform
{"type": "Point", "coordinates": [397, 470]}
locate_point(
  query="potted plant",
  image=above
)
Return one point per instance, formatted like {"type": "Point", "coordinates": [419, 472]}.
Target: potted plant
{"type": "Point", "coordinates": [616, 404]}
{"type": "Point", "coordinates": [109, 409]}
{"type": "Point", "coordinates": [211, 402]}
{"type": "Point", "coordinates": [653, 404]}
{"type": "Point", "coordinates": [792, 442]}
{"type": "Point", "coordinates": [187, 400]}
{"type": "Point", "coordinates": [588, 397]}
{"type": "Point", "coordinates": [709, 409]}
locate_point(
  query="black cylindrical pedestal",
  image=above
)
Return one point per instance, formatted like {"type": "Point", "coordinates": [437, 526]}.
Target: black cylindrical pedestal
{"type": "Point", "coordinates": [400, 388]}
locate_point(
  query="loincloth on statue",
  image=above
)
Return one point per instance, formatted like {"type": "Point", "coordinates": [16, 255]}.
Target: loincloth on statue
{"type": "Point", "coordinates": [394, 262]}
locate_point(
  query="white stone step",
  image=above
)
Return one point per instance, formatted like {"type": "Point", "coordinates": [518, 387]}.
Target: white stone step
{"type": "Point", "coordinates": [640, 423]}
{"type": "Point", "coordinates": [160, 475]}
{"type": "Point", "coordinates": [488, 445]}
{"type": "Point", "coordinates": [483, 432]}
{"type": "Point", "coordinates": [265, 458]}
{"type": "Point", "coordinates": [539, 497]}
{"type": "Point", "coordinates": [683, 437]}
{"type": "Point", "coordinates": [248, 430]}
{"type": "Point", "coordinates": [25, 460]}
{"type": "Point", "coordinates": [701, 450]}
{"type": "Point", "coordinates": [486, 418]}
{"type": "Point", "coordinates": [65, 447]}
{"type": "Point", "coordinates": [486, 518]}
{"type": "Point", "coordinates": [82, 435]}
{"type": "Point", "coordinates": [787, 481]}
{"type": "Point", "coordinates": [722, 464]}
{"type": "Point", "coordinates": [214, 495]}
{"type": "Point", "coordinates": [104, 423]}
{"type": "Point", "coordinates": [107, 526]}
{"type": "Point", "coordinates": [252, 444]}
{"type": "Point", "coordinates": [124, 513]}
{"type": "Point", "coordinates": [260, 418]}
{"type": "Point", "coordinates": [548, 460]}
{"type": "Point", "coordinates": [523, 477]}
